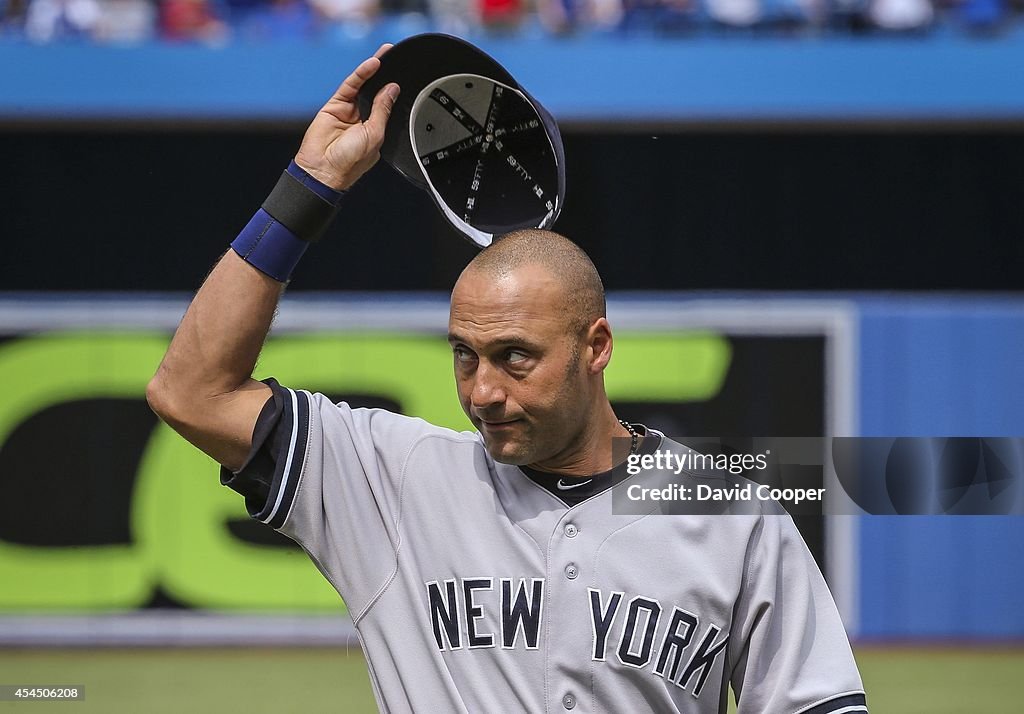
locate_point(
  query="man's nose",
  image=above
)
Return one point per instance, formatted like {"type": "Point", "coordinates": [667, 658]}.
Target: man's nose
{"type": "Point", "coordinates": [488, 387]}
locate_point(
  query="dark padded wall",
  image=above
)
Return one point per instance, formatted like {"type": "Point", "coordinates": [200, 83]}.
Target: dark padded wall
{"type": "Point", "coordinates": [151, 209]}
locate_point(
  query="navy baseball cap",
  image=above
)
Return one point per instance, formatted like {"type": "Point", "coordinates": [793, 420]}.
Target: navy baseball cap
{"type": "Point", "coordinates": [468, 134]}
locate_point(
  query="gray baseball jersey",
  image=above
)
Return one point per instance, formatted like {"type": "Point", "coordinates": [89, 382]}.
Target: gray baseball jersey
{"type": "Point", "coordinates": [475, 589]}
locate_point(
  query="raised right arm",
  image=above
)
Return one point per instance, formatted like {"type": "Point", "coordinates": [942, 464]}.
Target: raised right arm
{"type": "Point", "coordinates": [203, 388]}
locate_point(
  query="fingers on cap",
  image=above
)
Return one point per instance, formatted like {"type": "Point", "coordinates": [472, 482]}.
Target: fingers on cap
{"type": "Point", "coordinates": [349, 89]}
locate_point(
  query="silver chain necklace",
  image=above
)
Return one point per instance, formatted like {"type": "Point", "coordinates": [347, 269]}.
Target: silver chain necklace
{"type": "Point", "coordinates": [634, 435]}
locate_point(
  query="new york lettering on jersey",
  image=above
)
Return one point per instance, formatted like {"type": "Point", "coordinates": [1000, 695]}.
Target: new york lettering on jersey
{"type": "Point", "coordinates": [458, 605]}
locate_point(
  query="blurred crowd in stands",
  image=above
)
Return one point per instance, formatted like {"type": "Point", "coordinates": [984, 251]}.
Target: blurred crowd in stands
{"type": "Point", "coordinates": [220, 21]}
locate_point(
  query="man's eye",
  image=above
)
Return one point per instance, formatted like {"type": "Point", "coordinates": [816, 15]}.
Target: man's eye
{"type": "Point", "coordinates": [462, 354]}
{"type": "Point", "coordinates": [515, 356]}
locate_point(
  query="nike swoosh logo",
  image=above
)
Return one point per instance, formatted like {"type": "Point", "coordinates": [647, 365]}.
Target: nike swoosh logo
{"type": "Point", "coordinates": [563, 487]}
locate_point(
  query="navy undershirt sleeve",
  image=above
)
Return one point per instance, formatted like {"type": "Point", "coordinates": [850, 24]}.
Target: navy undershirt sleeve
{"type": "Point", "coordinates": [254, 479]}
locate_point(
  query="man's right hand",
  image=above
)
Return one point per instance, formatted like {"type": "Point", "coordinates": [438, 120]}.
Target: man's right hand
{"type": "Point", "coordinates": [338, 147]}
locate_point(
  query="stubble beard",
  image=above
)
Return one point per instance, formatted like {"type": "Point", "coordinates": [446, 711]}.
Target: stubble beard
{"type": "Point", "coordinates": [528, 450]}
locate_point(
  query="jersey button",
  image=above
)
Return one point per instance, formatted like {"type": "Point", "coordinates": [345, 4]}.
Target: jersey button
{"type": "Point", "coordinates": [569, 701]}
{"type": "Point", "coordinates": [571, 530]}
{"type": "Point", "coordinates": [571, 571]}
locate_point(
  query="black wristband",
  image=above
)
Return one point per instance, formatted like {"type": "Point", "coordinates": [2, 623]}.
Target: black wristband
{"type": "Point", "coordinates": [299, 209]}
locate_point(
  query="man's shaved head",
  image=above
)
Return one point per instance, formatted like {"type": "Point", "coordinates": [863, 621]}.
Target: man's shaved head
{"type": "Point", "coordinates": [583, 290]}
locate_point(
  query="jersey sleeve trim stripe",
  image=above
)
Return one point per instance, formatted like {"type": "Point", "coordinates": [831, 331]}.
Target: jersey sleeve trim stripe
{"type": "Point", "coordinates": [278, 492]}
{"type": "Point", "coordinates": [282, 490]}
{"type": "Point", "coordinates": [841, 704]}
{"type": "Point", "coordinates": [289, 486]}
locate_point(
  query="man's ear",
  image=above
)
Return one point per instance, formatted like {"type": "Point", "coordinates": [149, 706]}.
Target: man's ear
{"type": "Point", "coordinates": [598, 345]}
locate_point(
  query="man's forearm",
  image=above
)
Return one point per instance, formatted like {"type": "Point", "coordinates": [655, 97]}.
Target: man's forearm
{"type": "Point", "coordinates": [203, 387]}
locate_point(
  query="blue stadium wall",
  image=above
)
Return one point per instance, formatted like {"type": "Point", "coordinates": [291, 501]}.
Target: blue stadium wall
{"type": "Point", "coordinates": [587, 79]}
{"type": "Point", "coordinates": [941, 367]}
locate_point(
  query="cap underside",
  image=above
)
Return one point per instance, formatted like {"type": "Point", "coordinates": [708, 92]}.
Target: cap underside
{"type": "Point", "coordinates": [485, 155]}
{"type": "Point", "coordinates": [484, 186]}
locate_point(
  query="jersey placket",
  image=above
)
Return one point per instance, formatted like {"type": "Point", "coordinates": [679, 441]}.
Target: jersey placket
{"type": "Point", "coordinates": [567, 641]}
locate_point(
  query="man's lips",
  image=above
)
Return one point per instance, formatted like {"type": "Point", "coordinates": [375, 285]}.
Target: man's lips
{"type": "Point", "coordinates": [493, 425]}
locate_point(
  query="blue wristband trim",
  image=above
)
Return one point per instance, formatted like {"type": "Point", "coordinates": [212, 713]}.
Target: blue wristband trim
{"type": "Point", "coordinates": [322, 190]}
{"type": "Point", "coordinates": [269, 247]}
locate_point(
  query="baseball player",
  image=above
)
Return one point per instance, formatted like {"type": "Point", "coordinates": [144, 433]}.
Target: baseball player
{"type": "Point", "coordinates": [486, 571]}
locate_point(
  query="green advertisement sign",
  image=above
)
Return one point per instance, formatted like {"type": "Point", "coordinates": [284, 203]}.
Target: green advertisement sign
{"type": "Point", "coordinates": [180, 542]}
